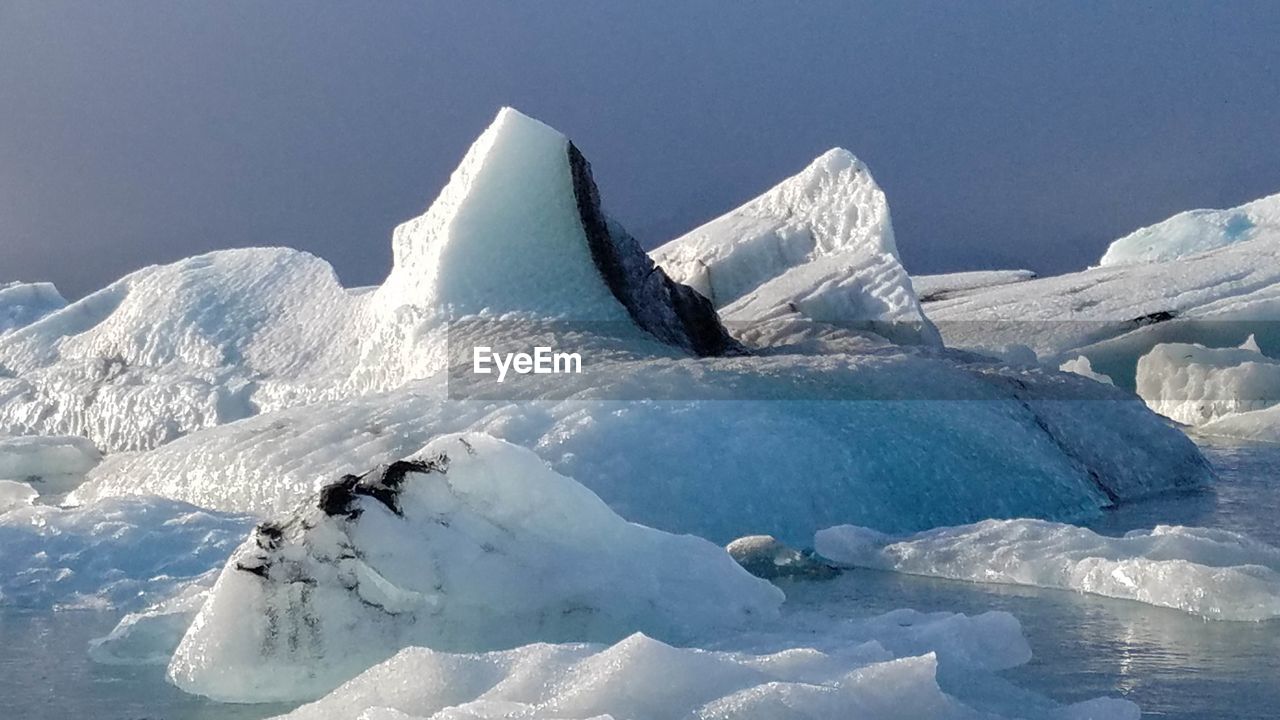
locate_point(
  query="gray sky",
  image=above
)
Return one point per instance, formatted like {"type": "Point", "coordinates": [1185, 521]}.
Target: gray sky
{"type": "Point", "coordinates": [1005, 134]}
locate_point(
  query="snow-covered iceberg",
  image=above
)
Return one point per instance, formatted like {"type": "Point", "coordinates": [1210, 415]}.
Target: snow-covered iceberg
{"type": "Point", "coordinates": [1192, 281]}
{"type": "Point", "coordinates": [23, 303]}
{"type": "Point", "coordinates": [819, 245]}
{"type": "Point", "coordinates": [119, 553]}
{"type": "Point", "coordinates": [1196, 385]}
{"type": "Point", "coordinates": [1217, 574]}
{"type": "Point", "coordinates": [1196, 231]}
{"type": "Point", "coordinates": [473, 544]}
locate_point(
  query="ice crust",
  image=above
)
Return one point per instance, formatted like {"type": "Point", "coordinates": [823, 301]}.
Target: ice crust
{"type": "Point", "coordinates": [1216, 574]}
{"type": "Point", "coordinates": [1196, 231]}
{"type": "Point", "coordinates": [477, 545]}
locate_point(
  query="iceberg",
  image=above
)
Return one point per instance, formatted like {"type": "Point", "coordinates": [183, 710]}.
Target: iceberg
{"type": "Point", "coordinates": [1216, 574]}
{"type": "Point", "coordinates": [472, 544]}
{"type": "Point", "coordinates": [168, 350]}
{"type": "Point", "coordinates": [1196, 231]}
{"type": "Point", "coordinates": [1197, 385]}
{"type": "Point", "coordinates": [819, 245]}
{"type": "Point", "coordinates": [1191, 284]}
{"type": "Point", "coordinates": [786, 461]}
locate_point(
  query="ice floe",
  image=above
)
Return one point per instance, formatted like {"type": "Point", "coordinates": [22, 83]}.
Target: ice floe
{"type": "Point", "coordinates": [1217, 574]}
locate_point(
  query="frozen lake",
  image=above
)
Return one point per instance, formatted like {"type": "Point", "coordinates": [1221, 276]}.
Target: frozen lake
{"type": "Point", "coordinates": [1173, 664]}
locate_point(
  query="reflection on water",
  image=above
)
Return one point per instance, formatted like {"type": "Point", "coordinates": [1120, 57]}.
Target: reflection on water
{"type": "Point", "coordinates": [1173, 664]}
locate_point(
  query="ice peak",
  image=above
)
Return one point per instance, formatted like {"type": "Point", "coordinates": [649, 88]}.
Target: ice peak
{"type": "Point", "coordinates": [519, 228]}
{"type": "Point", "coordinates": [820, 243]}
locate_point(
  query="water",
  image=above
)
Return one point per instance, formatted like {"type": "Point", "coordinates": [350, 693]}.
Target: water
{"type": "Point", "coordinates": [1173, 664]}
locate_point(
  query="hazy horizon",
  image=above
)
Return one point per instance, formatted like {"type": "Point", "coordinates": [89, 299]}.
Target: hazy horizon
{"type": "Point", "coordinates": [1005, 135]}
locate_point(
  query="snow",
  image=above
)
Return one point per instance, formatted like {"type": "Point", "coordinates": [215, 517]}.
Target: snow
{"type": "Point", "coordinates": [1082, 367]}
{"type": "Point", "coordinates": [122, 553]}
{"type": "Point", "coordinates": [1196, 385]}
{"type": "Point", "coordinates": [1196, 231]}
{"type": "Point", "coordinates": [477, 545]}
{"type": "Point", "coordinates": [23, 303]}
{"type": "Point", "coordinates": [819, 244]}
{"type": "Point", "coordinates": [642, 678]}
{"type": "Point", "coordinates": [1217, 574]}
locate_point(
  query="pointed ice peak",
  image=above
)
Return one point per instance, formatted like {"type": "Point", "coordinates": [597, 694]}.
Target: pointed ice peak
{"type": "Point", "coordinates": [832, 206]}
{"type": "Point", "coordinates": [818, 244]}
{"type": "Point", "coordinates": [519, 229]}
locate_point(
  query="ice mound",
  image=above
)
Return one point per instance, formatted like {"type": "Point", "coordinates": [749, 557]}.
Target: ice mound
{"type": "Point", "coordinates": [122, 553]}
{"type": "Point", "coordinates": [819, 244]}
{"type": "Point", "coordinates": [1196, 385]}
{"type": "Point", "coordinates": [23, 303]}
{"type": "Point", "coordinates": [1216, 574]}
{"type": "Point", "coordinates": [475, 544]}
{"type": "Point", "coordinates": [644, 679]}
{"type": "Point", "coordinates": [1196, 231]}
{"type": "Point", "coordinates": [174, 348]}
{"type": "Point", "coordinates": [779, 445]}
{"type": "Point", "coordinates": [51, 464]}
{"type": "Point", "coordinates": [520, 228]}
